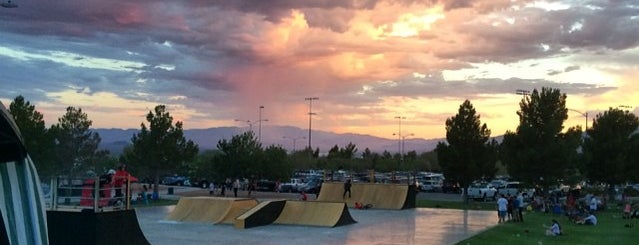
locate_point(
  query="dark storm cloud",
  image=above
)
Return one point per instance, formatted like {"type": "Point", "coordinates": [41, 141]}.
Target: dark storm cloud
{"type": "Point", "coordinates": [609, 25]}
{"type": "Point", "coordinates": [436, 87]}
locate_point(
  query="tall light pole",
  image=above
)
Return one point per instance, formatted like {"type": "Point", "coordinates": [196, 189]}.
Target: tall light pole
{"type": "Point", "coordinates": [259, 134]}
{"type": "Point", "coordinates": [247, 122]}
{"type": "Point", "coordinates": [310, 114]}
{"type": "Point", "coordinates": [399, 137]}
{"type": "Point", "coordinates": [404, 142]}
{"type": "Point", "coordinates": [293, 139]}
{"type": "Point", "coordinates": [584, 114]}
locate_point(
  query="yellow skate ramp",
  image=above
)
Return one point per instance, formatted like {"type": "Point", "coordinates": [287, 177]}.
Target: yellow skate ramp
{"type": "Point", "coordinates": [313, 213]}
{"type": "Point", "coordinates": [265, 213]}
{"type": "Point", "coordinates": [212, 210]}
{"type": "Point", "coordinates": [381, 196]}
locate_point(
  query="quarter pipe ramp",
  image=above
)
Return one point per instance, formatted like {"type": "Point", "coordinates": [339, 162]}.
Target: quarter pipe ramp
{"type": "Point", "coordinates": [315, 213]}
{"type": "Point", "coordinates": [380, 196]}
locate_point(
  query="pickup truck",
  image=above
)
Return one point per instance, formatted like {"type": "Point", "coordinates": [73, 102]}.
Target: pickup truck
{"type": "Point", "coordinates": [482, 190]}
{"type": "Point", "coordinates": [512, 188]}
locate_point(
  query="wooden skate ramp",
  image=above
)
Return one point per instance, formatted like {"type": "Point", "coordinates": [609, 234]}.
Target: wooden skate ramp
{"type": "Point", "coordinates": [212, 210]}
{"type": "Point", "coordinates": [313, 213]}
{"type": "Point", "coordinates": [381, 196]}
{"type": "Point", "coordinates": [264, 213]}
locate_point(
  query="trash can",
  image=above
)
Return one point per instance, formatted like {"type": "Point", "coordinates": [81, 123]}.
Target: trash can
{"type": "Point", "coordinates": [170, 191]}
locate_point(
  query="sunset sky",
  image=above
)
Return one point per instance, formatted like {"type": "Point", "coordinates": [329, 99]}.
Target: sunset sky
{"type": "Point", "coordinates": [212, 62]}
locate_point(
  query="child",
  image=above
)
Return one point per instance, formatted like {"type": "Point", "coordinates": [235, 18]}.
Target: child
{"type": "Point", "coordinates": [304, 197]}
{"type": "Point", "coordinates": [554, 229]}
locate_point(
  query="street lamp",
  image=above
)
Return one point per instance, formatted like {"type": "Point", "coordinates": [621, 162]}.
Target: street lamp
{"type": "Point", "coordinates": [293, 139]}
{"type": "Point", "coordinates": [399, 134]}
{"type": "Point", "coordinates": [584, 114]}
{"type": "Point", "coordinates": [247, 122]}
{"type": "Point", "coordinates": [260, 120]}
{"type": "Point", "coordinates": [404, 142]}
{"type": "Point", "coordinates": [310, 114]}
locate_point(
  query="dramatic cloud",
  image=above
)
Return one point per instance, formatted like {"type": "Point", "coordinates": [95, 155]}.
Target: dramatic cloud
{"type": "Point", "coordinates": [368, 61]}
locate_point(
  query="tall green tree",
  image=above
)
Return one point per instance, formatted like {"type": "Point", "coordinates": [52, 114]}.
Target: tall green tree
{"type": "Point", "coordinates": [275, 165]}
{"type": "Point", "coordinates": [469, 155]}
{"type": "Point", "coordinates": [37, 138]}
{"type": "Point", "coordinates": [609, 147]}
{"type": "Point", "coordinates": [161, 147]}
{"type": "Point", "coordinates": [240, 155]}
{"type": "Point", "coordinates": [76, 145]}
{"type": "Point", "coordinates": [538, 152]}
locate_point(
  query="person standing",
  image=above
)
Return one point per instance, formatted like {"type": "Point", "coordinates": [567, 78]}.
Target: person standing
{"type": "Point", "coordinates": [593, 204]}
{"type": "Point", "coordinates": [223, 189]}
{"type": "Point", "coordinates": [211, 188]}
{"type": "Point", "coordinates": [502, 208]}
{"type": "Point", "coordinates": [520, 207]}
{"type": "Point", "coordinates": [347, 188]}
{"type": "Point", "coordinates": [236, 186]}
{"type": "Point", "coordinates": [121, 179]}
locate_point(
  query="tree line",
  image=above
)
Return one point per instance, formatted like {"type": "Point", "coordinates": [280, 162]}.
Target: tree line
{"type": "Point", "coordinates": [70, 148]}
{"type": "Point", "coordinates": [540, 151]}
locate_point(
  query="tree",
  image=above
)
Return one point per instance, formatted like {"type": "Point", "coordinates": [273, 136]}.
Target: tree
{"type": "Point", "coordinates": [161, 147]}
{"type": "Point", "coordinates": [240, 155]}
{"type": "Point", "coordinates": [36, 136]}
{"type": "Point", "coordinates": [538, 152]}
{"type": "Point", "coordinates": [275, 165]}
{"type": "Point", "coordinates": [610, 145]}
{"type": "Point", "coordinates": [76, 145]}
{"type": "Point", "coordinates": [468, 155]}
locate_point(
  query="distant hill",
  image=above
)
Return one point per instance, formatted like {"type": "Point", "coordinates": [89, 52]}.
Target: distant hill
{"type": "Point", "coordinates": [115, 140]}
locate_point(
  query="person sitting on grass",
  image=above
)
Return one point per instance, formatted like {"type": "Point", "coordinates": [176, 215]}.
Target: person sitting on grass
{"type": "Point", "coordinates": [588, 220]}
{"type": "Point", "coordinates": [627, 210]}
{"type": "Point", "coordinates": [554, 229]}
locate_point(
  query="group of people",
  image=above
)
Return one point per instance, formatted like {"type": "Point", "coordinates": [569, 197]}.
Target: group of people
{"type": "Point", "coordinates": [510, 208]}
{"type": "Point", "coordinates": [235, 186]}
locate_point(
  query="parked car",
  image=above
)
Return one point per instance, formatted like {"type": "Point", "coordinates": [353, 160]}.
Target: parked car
{"type": "Point", "coordinates": [199, 182]}
{"type": "Point", "coordinates": [265, 185]}
{"type": "Point", "coordinates": [482, 190]}
{"type": "Point", "coordinates": [312, 186]}
{"type": "Point", "coordinates": [448, 187]}
{"type": "Point", "coordinates": [431, 185]}
{"type": "Point", "coordinates": [176, 180]}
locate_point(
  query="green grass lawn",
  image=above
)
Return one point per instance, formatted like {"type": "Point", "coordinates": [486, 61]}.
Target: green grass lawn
{"type": "Point", "coordinates": [610, 228]}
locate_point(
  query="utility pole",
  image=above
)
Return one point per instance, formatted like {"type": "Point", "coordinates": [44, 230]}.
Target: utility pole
{"type": "Point", "coordinates": [310, 115]}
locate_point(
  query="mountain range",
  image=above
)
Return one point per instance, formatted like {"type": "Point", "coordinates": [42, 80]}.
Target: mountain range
{"type": "Point", "coordinates": [289, 137]}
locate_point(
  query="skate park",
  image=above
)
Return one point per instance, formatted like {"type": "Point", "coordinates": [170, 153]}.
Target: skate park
{"type": "Point", "coordinates": [371, 226]}
{"type": "Point", "coordinates": [90, 214]}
